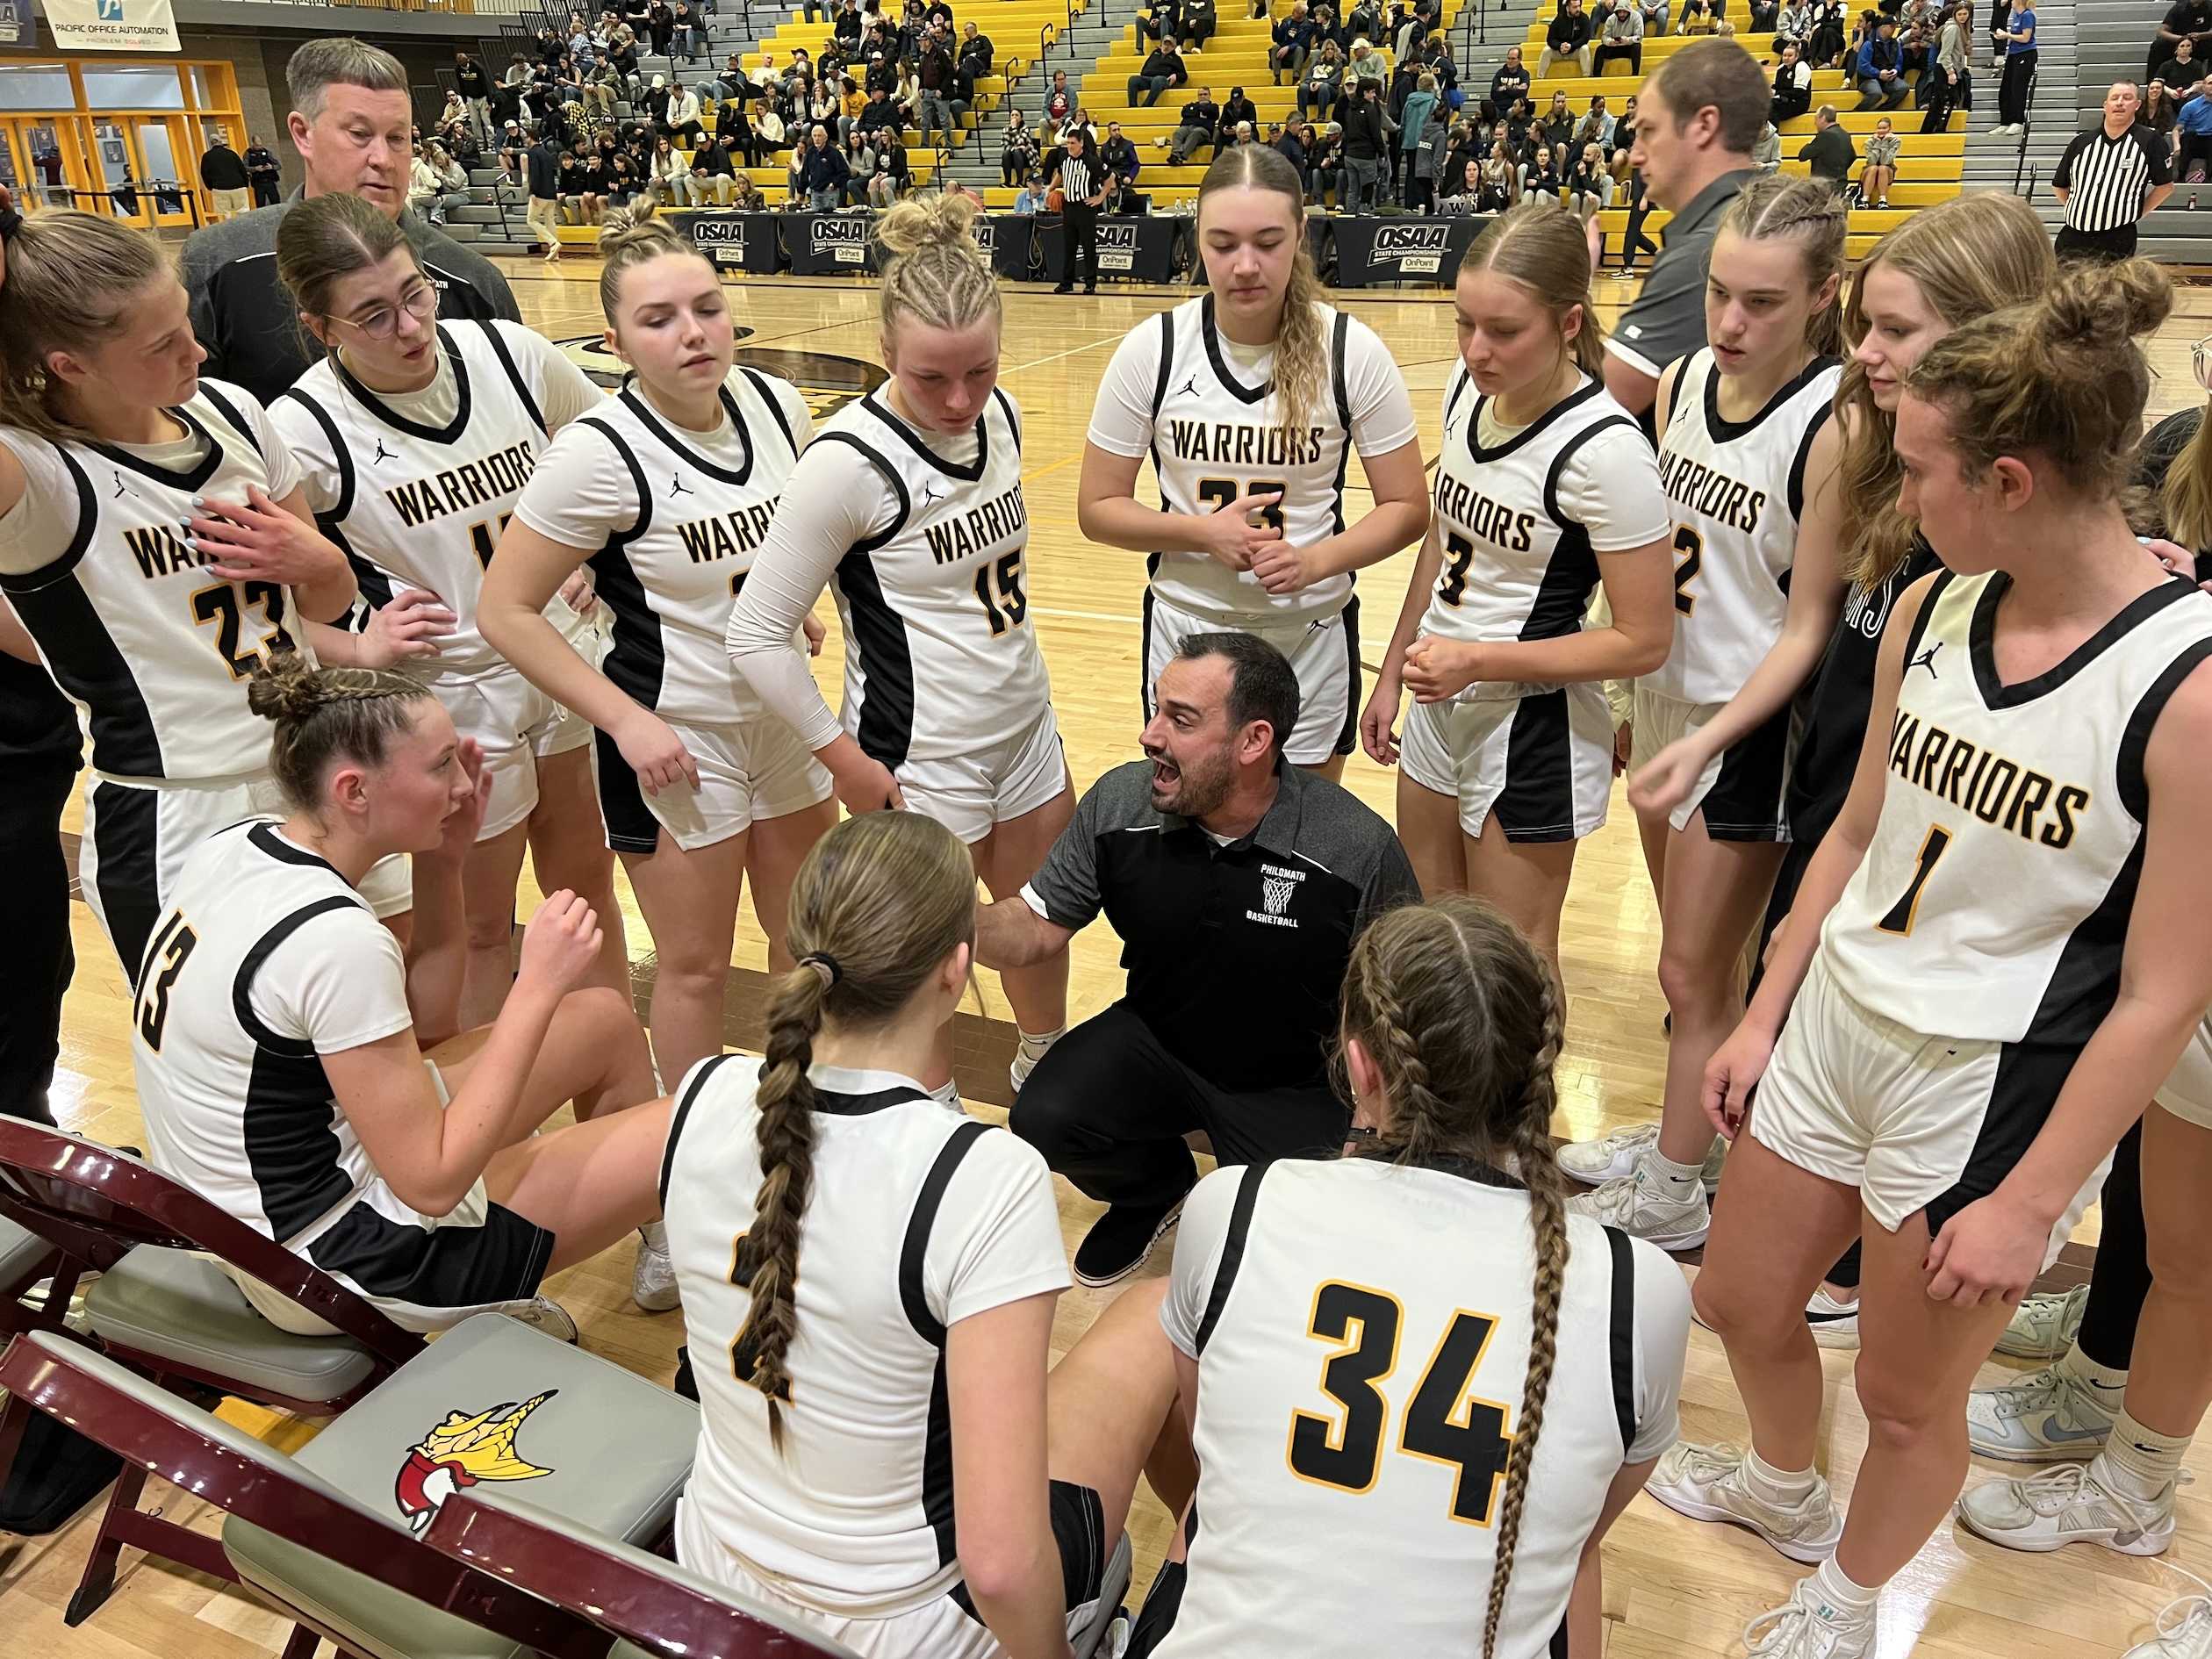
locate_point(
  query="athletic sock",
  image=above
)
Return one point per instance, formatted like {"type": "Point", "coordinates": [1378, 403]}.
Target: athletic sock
{"type": "Point", "coordinates": [1854, 1602]}
{"type": "Point", "coordinates": [655, 1234]}
{"type": "Point", "coordinates": [1782, 1487]}
{"type": "Point", "coordinates": [948, 1092]}
{"type": "Point", "coordinates": [1677, 1183]}
{"type": "Point", "coordinates": [1035, 1043]}
{"type": "Point", "coordinates": [2141, 1462]}
{"type": "Point", "coordinates": [2107, 1386]}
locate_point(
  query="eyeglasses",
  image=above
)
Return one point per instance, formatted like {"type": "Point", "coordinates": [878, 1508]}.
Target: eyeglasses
{"type": "Point", "coordinates": [2201, 358]}
{"type": "Point", "coordinates": [417, 303]}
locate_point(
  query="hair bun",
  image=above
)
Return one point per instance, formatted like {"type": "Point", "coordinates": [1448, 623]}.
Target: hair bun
{"type": "Point", "coordinates": [637, 225]}
{"type": "Point", "coordinates": [2102, 306]}
{"type": "Point", "coordinates": [940, 220]}
{"type": "Point", "coordinates": [286, 687]}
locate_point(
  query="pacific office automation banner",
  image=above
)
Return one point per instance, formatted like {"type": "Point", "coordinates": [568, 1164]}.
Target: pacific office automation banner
{"type": "Point", "coordinates": [111, 26]}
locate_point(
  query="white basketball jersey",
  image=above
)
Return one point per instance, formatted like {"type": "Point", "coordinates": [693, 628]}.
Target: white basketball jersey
{"type": "Point", "coordinates": [154, 651]}
{"type": "Point", "coordinates": [1515, 566]}
{"type": "Point", "coordinates": [1994, 899]}
{"type": "Point", "coordinates": [1361, 1331]}
{"type": "Point", "coordinates": [1738, 488]}
{"type": "Point", "coordinates": [235, 1101]}
{"type": "Point", "coordinates": [423, 507]}
{"type": "Point", "coordinates": [940, 659]}
{"type": "Point", "coordinates": [918, 1218]}
{"type": "Point", "coordinates": [670, 578]}
{"type": "Point", "coordinates": [1216, 437]}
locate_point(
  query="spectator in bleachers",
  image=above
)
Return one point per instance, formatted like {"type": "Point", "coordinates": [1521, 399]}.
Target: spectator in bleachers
{"type": "Point", "coordinates": [742, 194]}
{"type": "Point", "coordinates": [1588, 185]}
{"type": "Point", "coordinates": [1198, 25]}
{"type": "Point", "coordinates": [883, 189]}
{"type": "Point", "coordinates": [847, 24]}
{"type": "Point", "coordinates": [1831, 18]}
{"type": "Point", "coordinates": [1623, 38]}
{"type": "Point", "coordinates": [660, 26]}
{"type": "Point", "coordinates": [1794, 22]}
{"type": "Point", "coordinates": [1539, 175]}
{"type": "Point", "coordinates": [1197, 127]}
{"type": "Point", "coordinates": [1323, 83]}
{"type": "Point", "coordinates": [1558, 124]}
{"type": "Point", "coordinates": [1596, 126]}
{"type": "Point", "coordinates": [1428, 161]}
{"type": "Point", "coordinates": [880, 115]}
{"type": "Point", "coordinates": [623, 180]}
{"type": "Point", "coordinates": [1367, 68]}
{"type": "Point", "coordinates": [1880, 171]}
{"type": "Point", "coordinates": [1421, 105]}
{"type": "Point", "coordinates": [436, 183]}
{"type": "Point", "coordinates": [1017, 148]}
{"type": "Point", "coordinates": [1324, 155]}
{"type": "Point", "coordinates": [1654, 17]}
{"type": "Point", "coordinates": [859, 161]}
{"type": "Point", "coordinates": [1117, 155]}
{"type": "Point", "coordinates": [1367, 130]}
{"type": "Point", "coordinates": [1879, 73]}
{"type": "Point", "coordinates": [1766, 154]}
{"type": "Point", "coordinates": [891, 157]}
{"type": "Point", "coordinates": [1157, 22]}
{"type": "Point", "coordinates": [683, 116]}
{"type": "Point", "coordinates": [1763, 14]}
{"type": "Point", "coordinates": [2183, 69]}
{"type": "Point", "coordinates": [667, 173]}
{"type": "Point", "coordinates": [2186, 20]}
{"type": "Point", "coordinates": [2020, 69]}
{"type": "Point", "coordinates": [1624, 140]}
{"type": "Point", "coordinates": [738, 135]}
{"type": "Point", "coordinates": [1698, 18]}
{"type": "Point", "coordinates": [578, 202]}
{"type": "Point", "coordinates": [1511, 79]}
{"type": "Point", "coordinates": [1567, 39]}
{"type": "Point", "coordinates": [1030, 197]}
{"type": "Point", "coordinates": [2158, 112]}
{"type": "Point", "coordinates": [1059, 102]}
{"type": "Point", "coordinates": [1829, 153]}
{"type": "Point", "coordinates": [2193, 128]}
{"type": "Point", "coordinates": [1237, 107]}
{"type": "Point", "coordinates": [1289, 142]}
{"type": "Point", "coordinates": [1792, 86]}
{"type": "Point", "coordinates": [1951, 84]}
{"type": "Point", "coordinates": [1291, 44]}
{"type": "Point", "coordinates": [933, 76]}
{"type": "Point", "coordinates": [1163, 69]}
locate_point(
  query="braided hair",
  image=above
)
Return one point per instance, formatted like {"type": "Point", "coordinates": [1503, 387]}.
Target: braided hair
{"type": "Point", "coordinates": [327, 714]}
{"type": "Point", "coordinates": [877, 905]}
{"type": "Point", "coordinates": [1462, 1020]}
{"type": "Point", "coordinates": [1809, 213]}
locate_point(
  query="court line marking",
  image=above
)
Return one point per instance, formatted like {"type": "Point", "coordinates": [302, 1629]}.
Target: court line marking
{"type": "Point", "coordinates": [1084, 616]}
{"type": "Point", "coordinates": [1072, 351]}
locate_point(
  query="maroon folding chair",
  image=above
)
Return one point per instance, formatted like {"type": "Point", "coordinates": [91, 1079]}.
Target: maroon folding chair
{"type": "Point", "coordinates": [660, 1610]}
{"type": "Point", "coordinates": [162, 1307]}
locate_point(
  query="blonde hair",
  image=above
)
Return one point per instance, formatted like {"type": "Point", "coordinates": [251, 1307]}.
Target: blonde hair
{"type": "Point", "coordinates": [2059, 377]}
{"type": "Point", "coordinates": [632, 236]}
{"type": "Point", "coordinates": [1968, 257]}
{"type": "Point", "coordinates": [877, 903]}
{"type": "Point", "coordinates": [1462, 1018]}
{"type": "Point", "coordinates": [1302, 347]}
{"type": "Point", "coordinates": [2185, 500]}
{"type": "Point", "coordinates": [71, 279]}
{"type": "Point", "coordinates": [935, 271]}
{"type": "Point", "coordinates": [1545, 252]}
{"type": "Point", "coordinates": [327, 714]}
{"type": "Point", "coordinates": [1775, 206]}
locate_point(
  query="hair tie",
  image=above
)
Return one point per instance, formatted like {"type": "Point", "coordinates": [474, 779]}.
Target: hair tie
{"type": "Point", "coordinates": [826, 962]}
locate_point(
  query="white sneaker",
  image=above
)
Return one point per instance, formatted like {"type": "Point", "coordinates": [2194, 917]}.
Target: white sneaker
{"type": "Point", "coordinates": [2074, 1504]}
{"type": "Point", "coordinates": [1610, 1157]}
{"type": "Point", "coordinates": [544, 1314]}
{"type": "Point", "coordinates": [1631, 1205]}
{"type": "Point", "coordinates": [1835, 1324]}
{"type": "Point", "coordinates": [1705, 1483]}
{"type": "Point", "coordinates": [2045, 1417]}
{"type": "Point", "coordinates": [2185, 1631]}
{"type": "Point", "coordinates": [1807, 1627]}
{"type": "Point", "coordinates": [653, 1278]}
{"type": "Point", "coordinates": [2043, 1327]}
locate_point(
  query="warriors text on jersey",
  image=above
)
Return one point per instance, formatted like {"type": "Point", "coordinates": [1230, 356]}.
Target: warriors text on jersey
{"type": "Point", "coordinates": [420, 507]}
{"type": "Point", "coordinates": [1738, 489]}
{"type": "Point", "coordinates": [676, 517]}
{"type": "Point", "coordinates": [1214, 432]}
{"type": "Point", "coordinates": [1362, 1331]}
{"type": "Point", "coordinates": [1519, 556]}
{"type": "Point", "coordinates": [939, 657]}
{"type": "Point", "coordinates": [153, 648]}
{"type": "Point", "coordinates": [1993, 901]}
{"type": "Point", "coordinates": [919, 1218]}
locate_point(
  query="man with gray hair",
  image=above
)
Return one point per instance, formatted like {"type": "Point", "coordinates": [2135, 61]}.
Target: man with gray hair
{"type": "Point", "coordinates": [352, 123]}
{"type": "Point", "coordinates": [2110, 178]}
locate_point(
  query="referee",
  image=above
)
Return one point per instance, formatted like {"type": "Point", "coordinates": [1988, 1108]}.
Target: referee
{"type": "Point", "coordinates": [2109, 178]}
{"type": "Point", "coordinates": [1237, 883]}
{"type": "Point", "coordinates": [1082, 182]}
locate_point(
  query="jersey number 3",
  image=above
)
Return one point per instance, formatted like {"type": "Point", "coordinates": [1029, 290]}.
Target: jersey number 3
{"type": "Point", "coordinates": [1440, 1424]}
{"type": "Point", "coordinates": [224, 605]}
{"type": "Point", "coordinates": [165, 959]}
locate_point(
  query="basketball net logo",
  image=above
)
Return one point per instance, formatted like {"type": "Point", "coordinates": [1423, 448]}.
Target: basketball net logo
{"type": "Point", "coordinates": [1275, 893]}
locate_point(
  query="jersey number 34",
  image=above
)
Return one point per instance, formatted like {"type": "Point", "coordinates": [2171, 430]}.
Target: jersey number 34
{"type": "Point", "coordinates": [1440, 1424]}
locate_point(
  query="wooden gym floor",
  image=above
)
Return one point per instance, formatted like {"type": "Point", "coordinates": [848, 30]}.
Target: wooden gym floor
{"type": "Point", "coordinates": [1674, 1587]}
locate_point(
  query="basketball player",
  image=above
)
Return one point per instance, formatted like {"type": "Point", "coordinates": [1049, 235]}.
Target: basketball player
{"type": "Point", "coordinates": [911, 507]}
{"type": "Point", "coordinates": [666, 491]}
{"type": "Point", "coordinates": [277, 1063]}
{"type": "Point", "coordinates": [1546, 488]}
{"type": "Point", "coordinates": [414, 438]}
{"type": "Point", "coordinates": [157, 546]}
{"type": "Point", "coordinates": [1250, 400]}
{"type": "Point", "coordinates": [1994, 958]}
{"type": "Point", "coordinates": [1747, 457]}
{"type": "Point", "coordinates": [1473, 1513]}
{"type": "Point", "coordinates": [868, 1282]}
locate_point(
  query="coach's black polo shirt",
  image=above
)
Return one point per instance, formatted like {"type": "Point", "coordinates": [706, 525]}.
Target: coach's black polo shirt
{"type": "Point", "coordinates": [1235, 954]}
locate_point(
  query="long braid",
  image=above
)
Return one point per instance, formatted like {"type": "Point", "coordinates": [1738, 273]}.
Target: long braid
{"type": "Point", "coordinates": [1302, 346]}
{"type": "Point", "coordinates": [1539, 1172]}
{"type": "Point", "coordinates": [785, 1136]}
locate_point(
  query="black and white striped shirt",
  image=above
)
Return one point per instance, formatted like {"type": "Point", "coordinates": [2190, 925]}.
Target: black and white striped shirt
{"type": "Point", "coordinates": [1076, 178]}
{"type": "Point", "coordinates": [2109, 178]}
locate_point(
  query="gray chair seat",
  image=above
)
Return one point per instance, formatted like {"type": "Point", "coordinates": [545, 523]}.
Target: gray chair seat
{"type": "Point", "coordinates": [600, 1447]}
{"type": "Point", "coordinates": [20, 1252]}
{"type": "Point", "coordinates": [179, 1305]}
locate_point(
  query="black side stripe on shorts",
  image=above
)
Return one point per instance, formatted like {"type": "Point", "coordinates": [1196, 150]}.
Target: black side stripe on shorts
{"type": "Point", "coordinates": [1233, 1249]}
{"type": "Point", "coordinates": [237, 421]}
{"type": "Point", "coordinates": [684, 1103]}
{"type": "Point", "coordinates": [936, 1456]}
{"type": "Point", "coordinates": [878, 633]}
{"type": "Point", "coordinates": [126, 847]}
{"type": "Point", "coordinates": [1348, 625]}
{"type": "Point", "coordinates": [1622, 1336]}
{"type": "Point", "coordinates": [513, 373]}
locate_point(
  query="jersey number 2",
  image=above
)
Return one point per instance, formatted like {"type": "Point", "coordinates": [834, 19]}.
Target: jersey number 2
{"type": "Point", "coordinates": [224, 605]}
{"type": "Point", "coordinates": [1690, 555]}
{"type": "Point", "coordinates": [1441, 1424]}
{"type": "Point", "coordinates": [1217, 494]}
{"type": "Point", "coordinates": [171, 948]}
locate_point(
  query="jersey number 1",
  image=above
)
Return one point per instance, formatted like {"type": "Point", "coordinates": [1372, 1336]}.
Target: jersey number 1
{"type": "Point", "coordinates": [1441, 1424]}
{"type": "Point", "coordinates": [171, 948]}
{"type": "Point", "coordinates": [1905, 911]}
{"type": "Point", "coordinates": [999, 586]}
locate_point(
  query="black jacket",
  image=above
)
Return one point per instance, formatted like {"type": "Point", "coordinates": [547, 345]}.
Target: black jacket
{"type": "Point", "coordinates": [470, 80]}
{"type": "Point", "coordinates": [221, 169]}
{"type": "Point", "coordinates": [1237, 110]}
{"type": "Point", "coordinates": [1202, 113]}
{"type": "Point", "coordinates": [1569, 32]}
{"type": "Point", "coordinates": [545, 171]}
{"type": "Point", "coordinates": [1363, 124]}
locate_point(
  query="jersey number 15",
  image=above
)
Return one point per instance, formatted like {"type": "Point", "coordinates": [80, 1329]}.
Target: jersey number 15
{"type": "Point", "coordinates": [1440, 1424]}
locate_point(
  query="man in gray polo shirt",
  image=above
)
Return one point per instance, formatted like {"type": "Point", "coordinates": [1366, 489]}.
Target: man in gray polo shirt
{"type": "Point", "coordinates": [1700, 112]}
{"type": "Point", "coordinates": [352, 122]}
{"type": "Point", "coordinates": [1236, 884]}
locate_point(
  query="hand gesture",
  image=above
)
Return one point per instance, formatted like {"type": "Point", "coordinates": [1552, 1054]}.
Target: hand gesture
{"type": "Point", "coordinates": [560, 945]}
{"type": "Point", "coordinates": [1228, 536]}
{"type": "Point", "coordinates": [656, 754]}
{"type": "Point", "coordinates": [1283, 569]}
{"type": "Point", "coordinates": [1665, 782]}
{"type": "Point", "coordinates": [2176, 559]}
{"type": "Point", "coordinates": [1730, 1076]}
{"type": "Point", "coordinates": [1377, 719]}
{"type": "Point", "coordinates": [407, 628]}
{"type": "Point", "coordinates": [257, 541]}
{"type": "Point", "coordinates": [815, 633]}
{"type": "Point", "coordinates": [871, 788]}
{"type": "Point", "coordinates": [1990, 1250]}
{"type": "Point", "coordinates": [1437, 669]}
{"type": "Point", "coordinates": [460, 835]}
{"type": "Point", "coordinates": [578, 594]}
